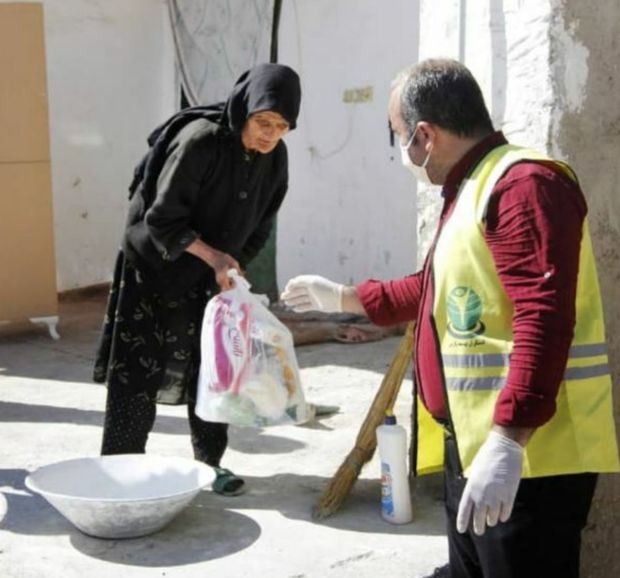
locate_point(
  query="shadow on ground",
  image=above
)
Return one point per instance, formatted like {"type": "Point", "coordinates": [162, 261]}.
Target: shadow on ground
{"type": "Point", "coordinates": [72, 360]}
{"type": "Point", "coordinates": [42, 358]}
{"type": "Point", "coordinates": [198, 534]}
{"type": "Point", "coordinates": [33, 354]}
{"type": "Point", "coordinates": [373, 356]}
{"type": "Point", "coordinates": [28, 351]}
{"type": "Point", "coordinates": [244, 440]}
{"type": "Point", "coordinates": [294, 496]}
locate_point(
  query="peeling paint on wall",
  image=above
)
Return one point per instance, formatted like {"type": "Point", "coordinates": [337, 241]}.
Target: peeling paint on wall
{"type": "Point", "coordinates": [572, 58]}
{"type": "Point", "coordinates": [569, 66]}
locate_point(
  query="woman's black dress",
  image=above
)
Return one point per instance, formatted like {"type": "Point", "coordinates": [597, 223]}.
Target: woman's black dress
{"type": "Point", "coordinates": [209, 187]}
{"type": "Point", "coordinates": [196, 182]}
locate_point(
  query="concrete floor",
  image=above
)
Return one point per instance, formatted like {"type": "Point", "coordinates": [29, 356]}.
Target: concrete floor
{"type": "Point", "coordinates": [51, 411]}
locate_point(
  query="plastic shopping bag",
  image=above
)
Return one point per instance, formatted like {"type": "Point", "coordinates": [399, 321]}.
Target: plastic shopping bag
{"type": "Point", "coordinates": [248, 373]}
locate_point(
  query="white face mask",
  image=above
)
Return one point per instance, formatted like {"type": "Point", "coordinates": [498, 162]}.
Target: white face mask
{"type": "Point", "coordinates": [419, 171]}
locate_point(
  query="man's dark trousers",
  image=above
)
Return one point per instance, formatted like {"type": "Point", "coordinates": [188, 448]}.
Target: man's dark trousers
{"type": "Point", "coordinates": [542, 538]}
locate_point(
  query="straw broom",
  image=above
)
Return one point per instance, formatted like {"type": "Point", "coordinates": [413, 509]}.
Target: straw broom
{"type": "Point", "coordinates": [342, 481]}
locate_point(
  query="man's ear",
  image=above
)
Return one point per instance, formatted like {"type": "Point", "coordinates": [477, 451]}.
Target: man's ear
{"type": "Point", "coordinates": [428, 132]}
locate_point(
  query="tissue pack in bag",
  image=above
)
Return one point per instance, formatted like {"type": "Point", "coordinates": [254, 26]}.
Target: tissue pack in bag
{"type": "Point", "coordinates": [230, 342]}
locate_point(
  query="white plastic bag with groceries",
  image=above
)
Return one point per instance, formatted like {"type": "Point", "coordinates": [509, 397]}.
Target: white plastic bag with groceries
{"type": "Point", "coordinates": [248, 372]}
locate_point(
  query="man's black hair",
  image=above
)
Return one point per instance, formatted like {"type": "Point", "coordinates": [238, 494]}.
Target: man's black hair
{"type": "Point", "coordinates": [445, 93]}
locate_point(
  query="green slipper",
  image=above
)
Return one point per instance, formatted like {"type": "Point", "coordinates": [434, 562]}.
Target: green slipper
{"type": "Point", "coordinates": [226, 483]}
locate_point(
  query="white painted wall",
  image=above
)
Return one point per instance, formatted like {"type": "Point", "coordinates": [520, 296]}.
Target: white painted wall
{"type": "Point", "coordinates": [111, 78]}
{"type": "Point", "coordinates": [350, 213]}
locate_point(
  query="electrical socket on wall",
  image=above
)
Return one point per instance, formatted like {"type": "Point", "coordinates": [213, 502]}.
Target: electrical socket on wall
{"type": "Point", "coordinates": [363, 94]}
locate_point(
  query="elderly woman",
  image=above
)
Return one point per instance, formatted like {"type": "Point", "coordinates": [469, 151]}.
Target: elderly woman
{"type": "Point", "coordinates": [203, 201]}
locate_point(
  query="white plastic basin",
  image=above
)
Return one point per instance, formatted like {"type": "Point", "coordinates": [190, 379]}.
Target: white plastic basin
{"type": "Point", "coordinates": [122, 496]}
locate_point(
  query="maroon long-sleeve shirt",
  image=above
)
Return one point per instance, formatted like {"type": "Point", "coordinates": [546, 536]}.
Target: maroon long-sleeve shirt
{"type": "Point", "coordinates": [533, 231]}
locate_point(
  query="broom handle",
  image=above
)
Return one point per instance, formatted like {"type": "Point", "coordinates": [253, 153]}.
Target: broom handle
{"type": "Point", "coordinates": [390, 386]}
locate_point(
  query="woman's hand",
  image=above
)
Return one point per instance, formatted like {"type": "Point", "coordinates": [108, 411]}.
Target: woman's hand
{"type": "Point", "coordinates": [221, 264]}
{"type": "Point", "coordinates": [219, 261]}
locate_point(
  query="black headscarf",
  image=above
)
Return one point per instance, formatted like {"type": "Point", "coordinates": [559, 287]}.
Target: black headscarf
{"type": "Point", "coordinates": [272, 87]}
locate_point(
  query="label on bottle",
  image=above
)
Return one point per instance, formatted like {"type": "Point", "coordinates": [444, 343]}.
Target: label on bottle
{"type": "Point", "coordinates": [387, 503]}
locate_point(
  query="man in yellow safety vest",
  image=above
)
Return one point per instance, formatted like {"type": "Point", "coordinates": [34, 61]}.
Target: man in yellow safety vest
{"type": "Point", "coordinates": [511, 369]}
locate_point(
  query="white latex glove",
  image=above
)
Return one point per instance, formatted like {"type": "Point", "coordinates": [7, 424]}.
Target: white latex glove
{"type": "Point", "coordinates": [492, 485]}
{"type": "Point", "coordinates": [313, 293]}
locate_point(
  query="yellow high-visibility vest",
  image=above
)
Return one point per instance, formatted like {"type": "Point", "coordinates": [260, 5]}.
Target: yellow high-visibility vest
{"type": "Point", "coordinates": [473, 320]}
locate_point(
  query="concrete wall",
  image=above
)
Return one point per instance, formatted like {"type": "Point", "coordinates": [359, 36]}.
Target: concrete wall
{"type": "Point", "coordinates": [111, 77]}
{"type": "Point", "coordinates": [585, 57]}
{"type": "Point", "coordinates": [350, 213]}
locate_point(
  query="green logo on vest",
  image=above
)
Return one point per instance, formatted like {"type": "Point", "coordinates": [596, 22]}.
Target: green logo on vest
{"type": "Point", "coordinates": [464, 313]}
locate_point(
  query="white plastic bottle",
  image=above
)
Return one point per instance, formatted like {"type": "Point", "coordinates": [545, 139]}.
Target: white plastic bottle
{"type": "Point", "coordinates": [395, 493]}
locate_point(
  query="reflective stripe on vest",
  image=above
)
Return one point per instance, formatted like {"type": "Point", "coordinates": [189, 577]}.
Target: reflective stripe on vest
{"type": "Point", "coordinates": [485, 383]}
{"type": "Point", "coordinates": [500, 361]}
